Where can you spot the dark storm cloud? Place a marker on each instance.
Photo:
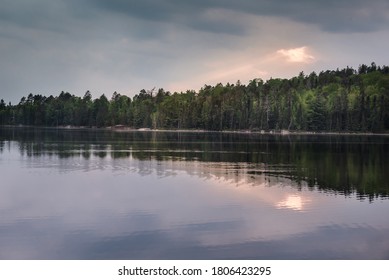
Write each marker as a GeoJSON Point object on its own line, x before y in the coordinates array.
{"type": "Point", "coordinates": [189, 14]}
{"type": "Point", "coordinates": [333, 15]}
{"type": "Point", "coordinates": [70, 16]}
{"type": "Point", "coordinates": [39, 14]}
{"type": "Point", "coordinates": [62, 16]}
{"type": "Point", "coordinates": [329, 15]}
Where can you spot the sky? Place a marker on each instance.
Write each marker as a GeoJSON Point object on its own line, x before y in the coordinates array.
{"type": "Point", "coordinates": [49, 46]}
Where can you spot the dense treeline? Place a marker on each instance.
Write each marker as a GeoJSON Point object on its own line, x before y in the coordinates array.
{"type": "Point", "coordinates": [341, 100]}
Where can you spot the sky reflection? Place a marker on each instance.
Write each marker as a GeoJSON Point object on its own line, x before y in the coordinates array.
{"type": "Point", "coordinates": [107, 207]}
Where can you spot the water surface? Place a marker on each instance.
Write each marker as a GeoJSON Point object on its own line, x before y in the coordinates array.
{"type": "Point", "coordinates": [96, 194]}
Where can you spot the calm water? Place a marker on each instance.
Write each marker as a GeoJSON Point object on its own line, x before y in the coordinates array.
{"type": "Point", "coordinates": [154, 195]}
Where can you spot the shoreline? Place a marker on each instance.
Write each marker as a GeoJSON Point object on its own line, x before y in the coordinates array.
{"type": "Point", "coordinates": [121, 128]}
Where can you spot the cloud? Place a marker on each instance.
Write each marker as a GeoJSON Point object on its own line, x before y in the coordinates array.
{"type": "Point", "coordinates": [332, 15]}
{"type": "Point", "coordinates": [105, 46]}
{"type": "Point", "coordinates": [297, 55]}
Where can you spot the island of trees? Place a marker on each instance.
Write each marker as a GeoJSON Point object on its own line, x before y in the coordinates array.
{"type": "Point", "coordinates": [344, 100]}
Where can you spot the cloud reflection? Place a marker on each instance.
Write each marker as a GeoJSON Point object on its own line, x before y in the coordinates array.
{"type": "Point", "coordinates": [170, 202]}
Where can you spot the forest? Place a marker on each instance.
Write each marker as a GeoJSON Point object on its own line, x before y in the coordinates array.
{"type": "Point", "coordinates": [345, 100]}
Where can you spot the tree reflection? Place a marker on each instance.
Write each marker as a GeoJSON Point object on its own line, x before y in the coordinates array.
{"type": "Point", "coordinates": [340, 164]}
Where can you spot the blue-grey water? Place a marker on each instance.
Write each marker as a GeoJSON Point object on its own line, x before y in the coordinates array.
{"type": "Point", "coordinates": [99, 194]}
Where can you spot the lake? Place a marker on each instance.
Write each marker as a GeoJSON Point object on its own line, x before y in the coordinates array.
{"type": "Point", "coordinates": [100, 194]}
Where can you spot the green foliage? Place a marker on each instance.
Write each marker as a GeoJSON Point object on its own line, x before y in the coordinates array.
{"type": "Point", "coordinates": [341, 100]}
